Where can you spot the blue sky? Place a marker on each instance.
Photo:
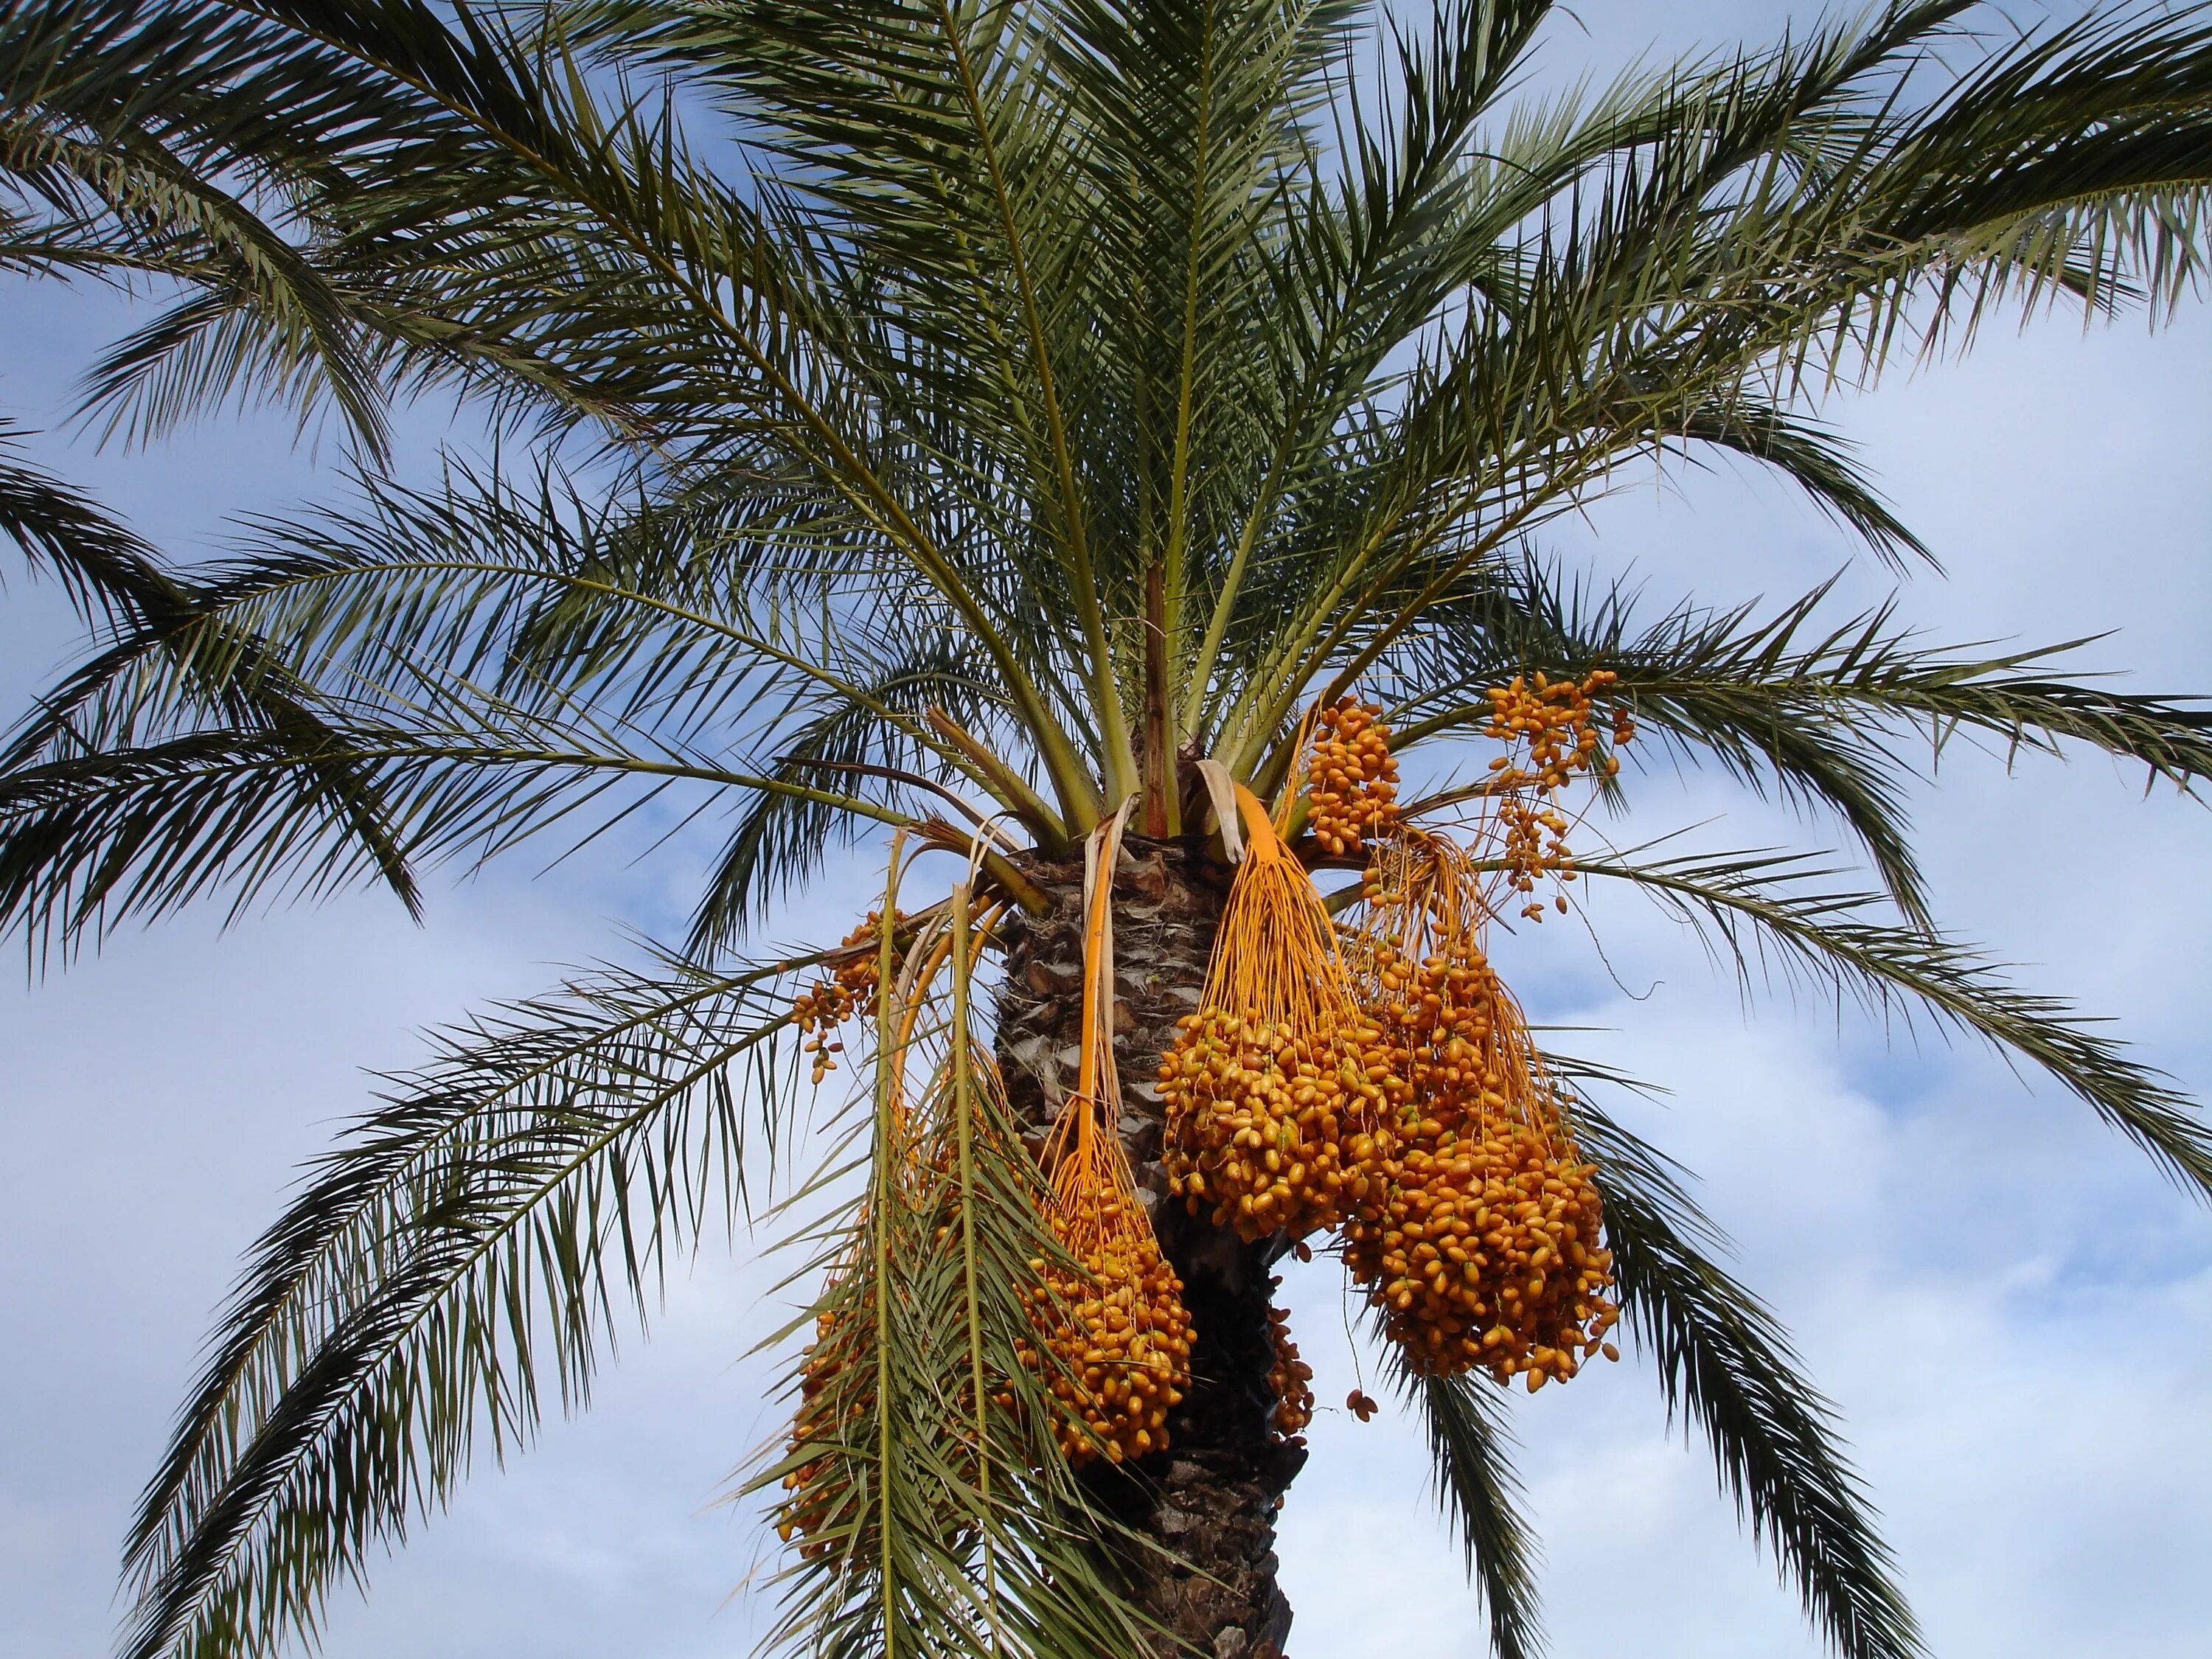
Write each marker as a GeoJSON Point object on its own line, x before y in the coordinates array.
{"type": "Point", "coordinates": [2012, 1310]}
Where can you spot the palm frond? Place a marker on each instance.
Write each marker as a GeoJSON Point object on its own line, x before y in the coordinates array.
{"type": "Point", "coordinates": [1755, 911]}
{"type": "Point", "coordinates": [50, 880]}
{"type": "Point", "coordinates": [1468, 1442]}
{"type": "Point", "coordinates": [939, 1516]}
{"type": "Point", "coordinates": [107, 572]}
{"type": "Point", "coordinates": [1726, 1365]}
{"type": "Point", "coordinates": [1817, 461]}
{"type": "Point", "coordinates": [1827, 710]}
{"type": "Point", "coordinates": [186, 143]}
{"type": "Point", "coordinates": [781, 838]}
{"type": "Point", "coordinates": [1754, 232]}
{"type": "Point", "coordinates": [91, 838]}
{"type": "Point", "coordinates": [457, 1265]}
{"type": "Point", "coordinates": [188, 755]}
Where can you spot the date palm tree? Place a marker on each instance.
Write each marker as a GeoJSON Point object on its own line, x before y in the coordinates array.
{"type": "Point", "coordinates": [961, 421]}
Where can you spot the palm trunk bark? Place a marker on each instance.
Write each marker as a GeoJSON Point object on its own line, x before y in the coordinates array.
{"type": "Point", "coordinates": [1209, 1501]}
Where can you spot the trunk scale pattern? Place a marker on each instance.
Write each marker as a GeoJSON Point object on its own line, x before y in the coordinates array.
{"type": "Point", "coordinates": [1209, 1501]}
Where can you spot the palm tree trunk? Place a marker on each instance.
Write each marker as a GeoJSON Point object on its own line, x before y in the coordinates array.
{"type": "Point", "coordinates": [1209, 1500]}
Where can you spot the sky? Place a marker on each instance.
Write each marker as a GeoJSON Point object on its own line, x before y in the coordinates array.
{"type": "Point", "coordinates": [2011, 1309]}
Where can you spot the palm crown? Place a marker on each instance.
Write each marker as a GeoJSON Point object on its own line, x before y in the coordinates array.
{"type": "Point", "coordinates": [999, 408]}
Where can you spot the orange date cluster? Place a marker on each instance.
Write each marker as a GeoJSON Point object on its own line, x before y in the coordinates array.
{"type": "Point", "coordinates": [1352, 779]}
{"type": "Point", "coordinates": [1479, 1238]}
{"type": "Point", "coordinates": [1550, 728]}
{"type": "Point", "coordinates": [1112, 1336]}
{"type": "Point", "coordinates": [820, 1011]}
{"type": "Point", "coordinates": [1289, 1379]}
{"type": "Point", "coordinates": [1261, 1111]}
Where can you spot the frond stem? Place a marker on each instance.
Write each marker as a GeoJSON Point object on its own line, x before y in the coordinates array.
{"type": "Point", "coordinates": [1116, 757]}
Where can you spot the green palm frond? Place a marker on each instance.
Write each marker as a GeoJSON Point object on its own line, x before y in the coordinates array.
{"type": "Point", "coordinates": [189, 142]}
{"type": "Point", "coordinates": [937, 1513]}
{"type": "Point", "coordinates": [781, 840]}
{"type": "Point", "coordinates": [52, 883]}
{"type": "Point", "coordinates": [457, 1265]}
{"type": "Point", "coordinates": [107, 572]}
{"type": "Point", "coordinates": [1468, 1441]}
{"type": "Point", "coordinates": [1755, 910]}
{"type": "Point", "coordinates": [1739, 245]}
{"type": "Point", "coordinates": [1826, 710]}
{"type": "Point", "coordinates": [1867, 673]}
{"type": "Point", "coordinates": [91, 836]}
{"type": "Point", "coordinates": [1818, 462]}
{"type": "Point", "coordinates": [1726, 1365]}
{"type": "Point", "coordinates": [122, 797]}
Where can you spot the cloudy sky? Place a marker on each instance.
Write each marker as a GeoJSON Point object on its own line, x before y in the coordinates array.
{"type": "Point", "coordinates": [2013, 1311]}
